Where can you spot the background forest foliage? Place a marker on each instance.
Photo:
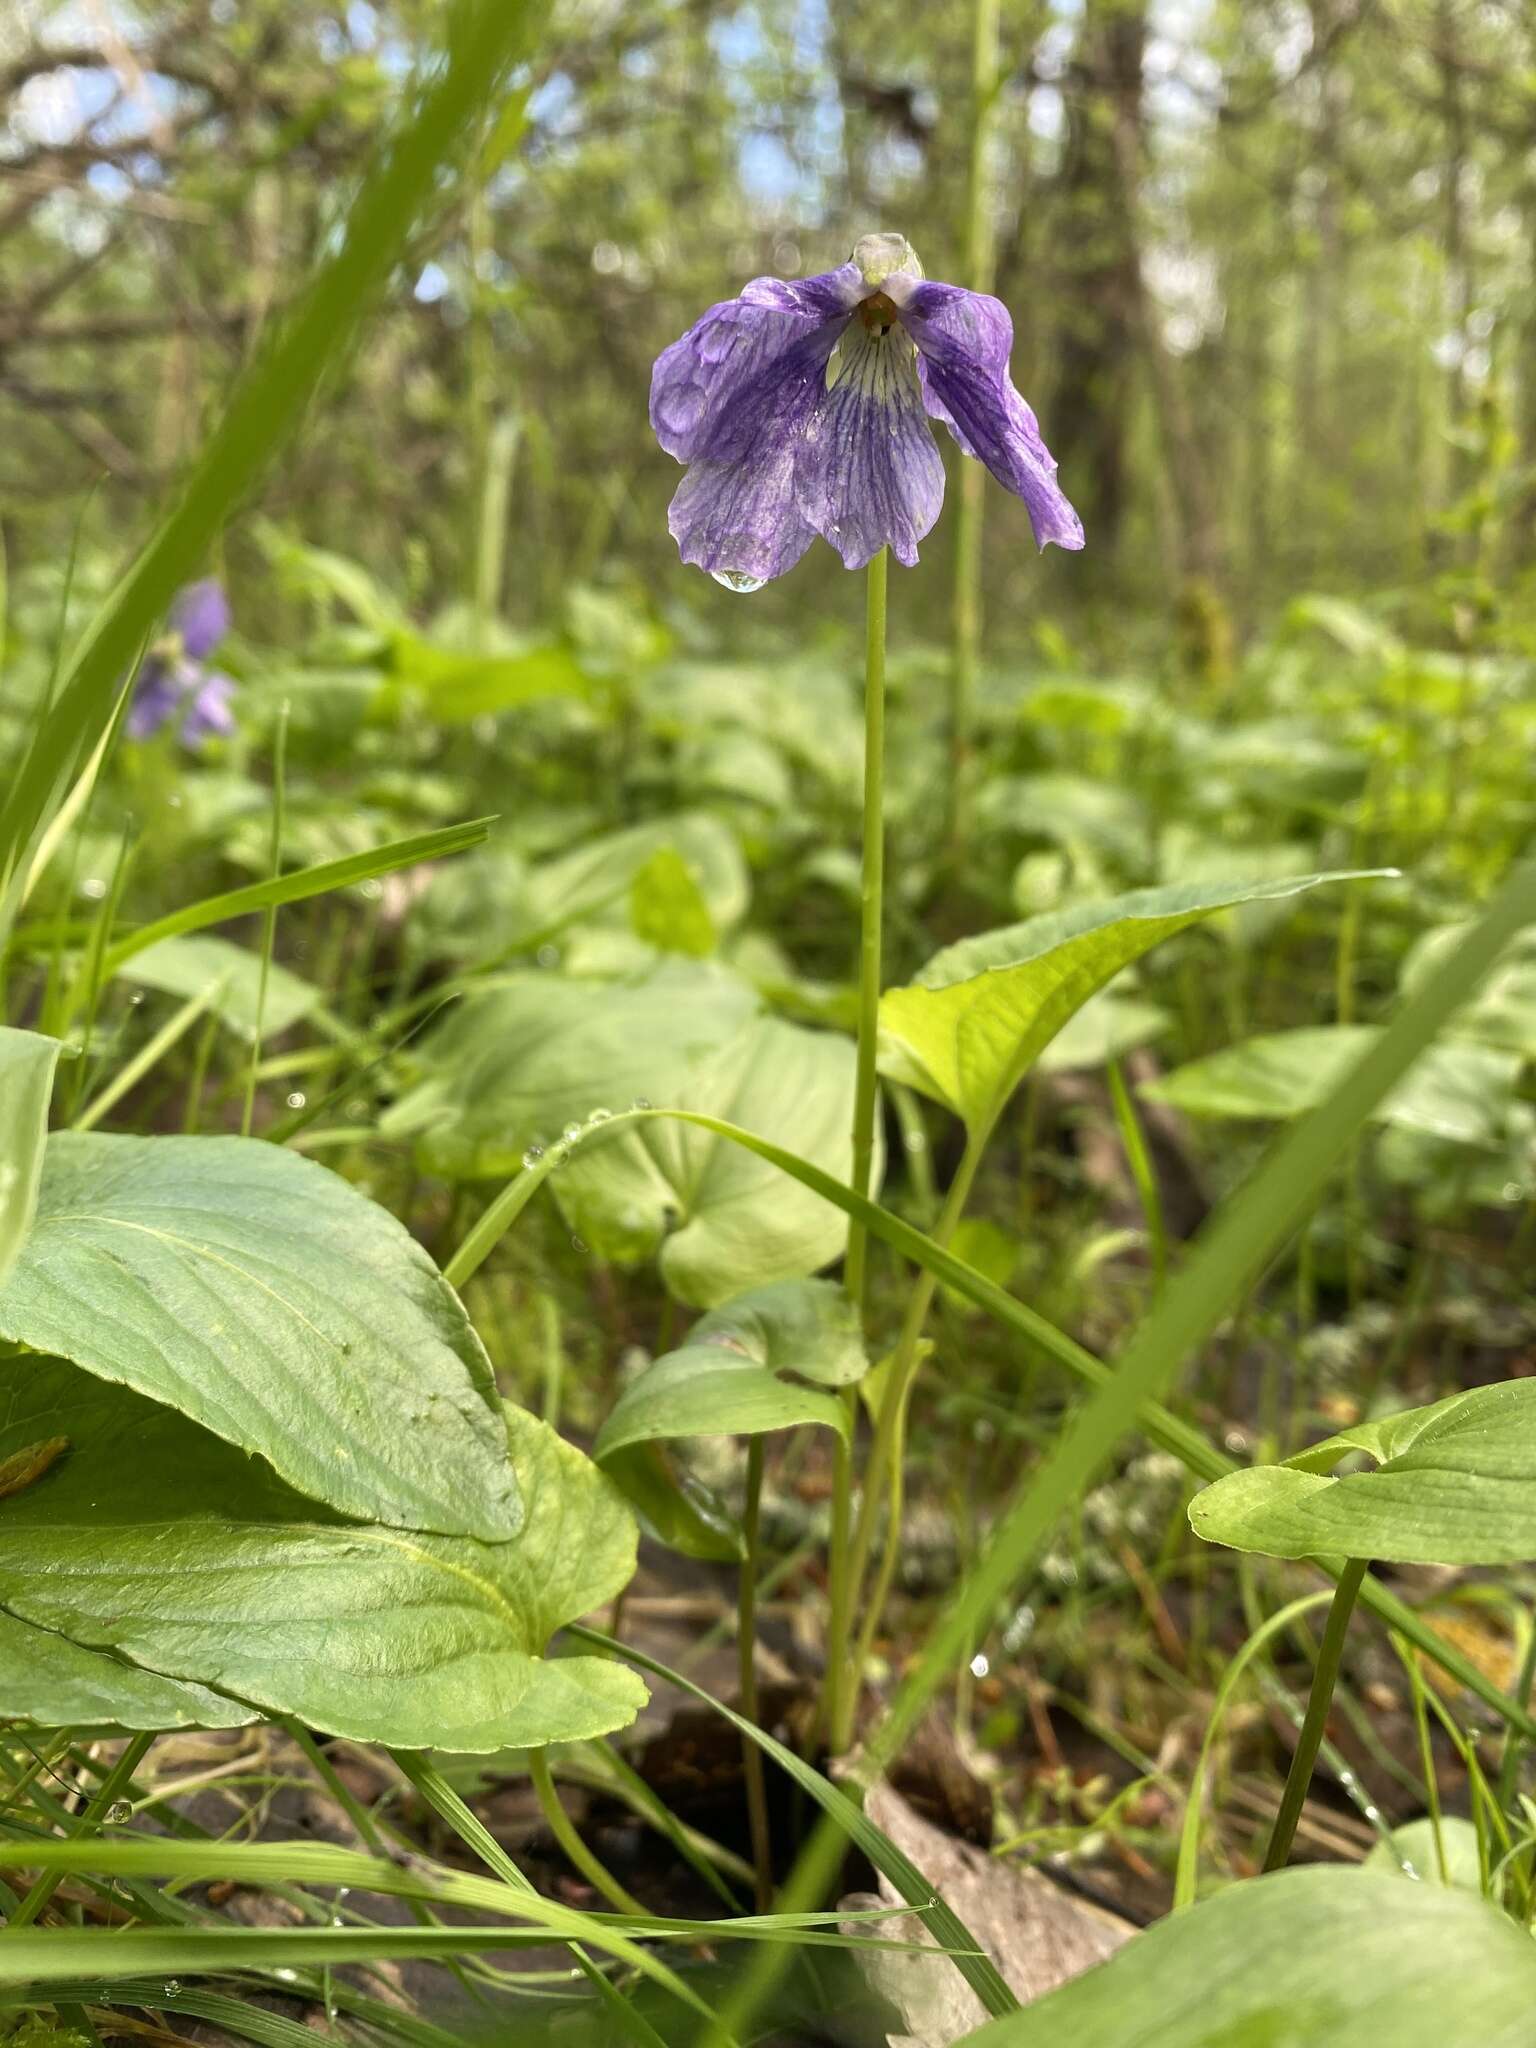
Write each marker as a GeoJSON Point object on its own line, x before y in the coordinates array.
{"type": "Point", "coordinates": [1270, 267]}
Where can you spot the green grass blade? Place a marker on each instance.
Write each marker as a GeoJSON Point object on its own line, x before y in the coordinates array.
{"type": "Point", "coordinates": [943, 1923]}
{"type": "Point", "coordinates": [293, 888]}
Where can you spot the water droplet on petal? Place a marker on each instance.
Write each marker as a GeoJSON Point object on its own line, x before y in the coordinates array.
{"type": "Point", "coordinates": [738, 580]}
{"type": "Point", "coordinates": [641, 1102]}
{"type": "Point", "coordinates": [532, 1156]}
{"type": "Point", "coordinates": [599, 1116]}
{"type": "Point", "coordinates": [571, 1133]}
{"type": "Point", "coordinates": [119, 1811]}
{"type": "Point", "coordinates": [171, 1988]}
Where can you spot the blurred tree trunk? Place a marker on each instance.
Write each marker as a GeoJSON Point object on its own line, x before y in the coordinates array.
{"type": "Point", "coordinates": [1110, 320]}
{"type": "Point", "coordinates": [1101, 267]}
{"type": "Point", "coordinates": [1460, 287]}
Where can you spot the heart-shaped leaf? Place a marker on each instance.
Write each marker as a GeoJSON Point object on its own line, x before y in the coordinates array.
{"type": "Point", "coordinates": [512, 1066]}
{"type": "Point", "coordinates": [719, 1219]}
{"type": "Point", "coordinates": [742, 1370]}
{"type": "Point", "coordinates": [980, 1013]}
{"type": "Point", "coordinates": [1454, 1483]}
{"type": "Point", "coordinates": [1458, 1092]}
{"type": "Point", "coordinates": [155, 1541]}
{"type": "Point", "coordinates": [53, 1683]}
{"type": "Point", "coordinates": [1320, 1957]}
{"type": "Point", "coordinates": [261, 1295]}
{"type": "Point", "coordinates": [27, 1061]}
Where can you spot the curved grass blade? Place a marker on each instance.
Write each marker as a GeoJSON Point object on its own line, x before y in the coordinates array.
{"type": "Point", "coordinates": [943, 1923]}
{"type": "Point", "coordinates": [311, 881]}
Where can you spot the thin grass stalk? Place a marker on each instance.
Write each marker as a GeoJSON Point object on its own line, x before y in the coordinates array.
{"type": "Point", "coordinates": [746, 1665]}
{"type": "Point", "coordinates": [111, 1789]}
{"type": "Point", "coordinates": [1324, 1677]}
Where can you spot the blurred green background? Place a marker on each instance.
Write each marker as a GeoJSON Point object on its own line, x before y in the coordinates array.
{"type": "Point", "coordinates": [1270, 266]}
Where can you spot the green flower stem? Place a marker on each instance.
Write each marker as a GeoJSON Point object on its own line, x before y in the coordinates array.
{"type": "Point", "coordinates": [871, 908]}
{"type": "Point", "coordinates": [888, 1452]}
{"type": "Point", "coordinates": [580, 1856]}
{"type": "Point", "coordinates": [116, 1782]}
{"type": "Point", "coordinates": [746, 1652]}
{"type": "Point", "coordinates": [837, 1704]}
{"type": "Point", "coordinates": [1329, 1656]}
{"type": "Point", "coordinates": [980, 265]}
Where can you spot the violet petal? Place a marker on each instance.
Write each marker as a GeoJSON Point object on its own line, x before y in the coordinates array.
{"type": "Point", "coordinates": [209, 715]}
{"type": "Point", "coordinates": [200, 617]}
{"type": "Point", "coordinates": [867, 472]}
{"type": "Point", "coordinates": [715, 392]}
{"type": "Point", "coordinates": [965, 339]}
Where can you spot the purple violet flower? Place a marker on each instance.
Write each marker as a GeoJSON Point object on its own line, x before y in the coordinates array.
{"type": "Point", "coordinates": [174, 676]}
{"type": "Point", "coordinates": [802, 408]}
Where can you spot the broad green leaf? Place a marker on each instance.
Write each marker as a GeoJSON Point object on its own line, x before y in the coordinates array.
{"type": "Point", "coordinates": [718, 1219]}
{"type": "Point", "coordinates": [511, 1067]}
{"type": "Point", "coordinates": [296, 887]}
{"type": "Point", "coordinates": [743, 1368]}
{"type": "Point", "coordinates": [53, 1683]}
{"type": "Point", "coordinates": [598, 879]}
{"type": "Point", "coordinates": [456, 687]}
{"type": "Point", "coordinates": [261, 1295]}
{"type": "Point", "coordinates": [981, 1012]}
{"type": "Point", "coordinates": [1454, 1483]}
{"type": "Point", "coordinates": [190, 966]}
{"type": "Point", "coordinates": [1320, 1957]}
{"type": "Point", "coordinates": [1076, 811]}
{"type": "Point", "coordinates": [1457, 1092]}
{"type": "Point", "coordinates": [27, 1061]}
{"type": "Point", "coordinates": [667, 908]}
{"type": "Point", "coordinates": [154, 1540]}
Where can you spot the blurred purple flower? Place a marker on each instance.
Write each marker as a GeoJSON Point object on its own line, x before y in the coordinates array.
{"type": "Point", "coordinates": [803, 408]}
{"type": "Point", "coordinates": [174, 676]}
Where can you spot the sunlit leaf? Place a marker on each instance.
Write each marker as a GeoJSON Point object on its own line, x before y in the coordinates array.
{"type": "Point", "coordinates": [1454, 1483]}
{"type": "Point", "coordinates": [667, 907]}
{"type": "Point", "coordinates": [981, 1012]}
